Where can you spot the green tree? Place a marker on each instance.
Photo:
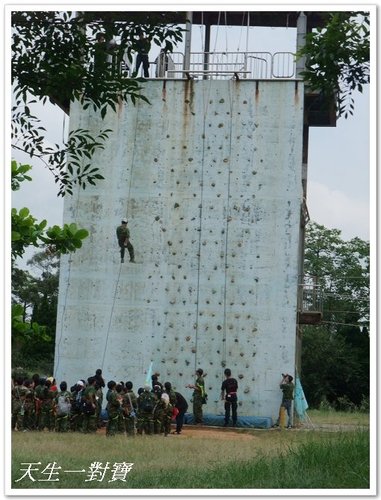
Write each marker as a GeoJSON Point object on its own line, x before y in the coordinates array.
{"type": "Point", "coordinates": [53, 58]}
{"type": "Point", "coordinates": [337, 58]}
{"type": "Point", "coordinates": [34, 308]}
{"type": "Point", "coordinates": [335, 354]}
{"type": "Point", "coordinates": [27, 231]}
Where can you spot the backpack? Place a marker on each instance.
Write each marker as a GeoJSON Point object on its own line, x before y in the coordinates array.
{"type": "Point", "coordinates": [147, 404]}
{"type": "Point", "coordinates": [88, 408]}
{"type": "Point", "coordinates": [63, 406]}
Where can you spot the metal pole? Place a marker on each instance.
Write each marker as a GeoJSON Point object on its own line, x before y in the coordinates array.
{"type": "Point", "coordinates": [301, 30]}
{"type": "Point", "coordinates": [247, 43]}
{"type": "Point", "coordinates": [188, 38]}
{"type": "Point", "coordinates": [207, 47]}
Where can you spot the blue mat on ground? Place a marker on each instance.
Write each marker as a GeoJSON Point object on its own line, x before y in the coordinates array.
{"type": "Point", "coordinates": [219, 420]}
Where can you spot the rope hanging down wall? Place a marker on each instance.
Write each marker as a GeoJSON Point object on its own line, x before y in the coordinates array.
{"type": "Point", "coordinates": [120, 266]}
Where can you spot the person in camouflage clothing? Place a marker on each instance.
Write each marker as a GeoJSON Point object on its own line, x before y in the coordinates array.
{"type": "Point", "coordinates": [171, 393]}
{"type": "Point", "coordinates": [123, 236]}
{"type": "Point", "coordinates": [146, 405]}
{"type": "Point", "coordinates": [38, 389]}
{"type": "Point", "coordinates": [121, 426]}
{"type": "Point", "coordinates": [62, 403]}
{"type": "Point", "coordinates": [76, 406]}
{"type": "Point", "coordinates": [47, 407]}
{"type": "Point", "coordinates": [158, 412]}
{"type": "Point", "coordinates": [130, 406]}
{"type": "Point", "coordinates": [198, 396]}
{"type": "Point", "coordinates": [30, 408]}
{"type": "Point", "coordinates": [114, 403]}
{"type": "Point", "coordinates": [19, 392]}
{"type": "Point", "coordinates": [89, 406]}
{"type": "Point", "coordinates": [167, 414]}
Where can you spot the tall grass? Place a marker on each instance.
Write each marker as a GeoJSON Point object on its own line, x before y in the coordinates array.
{"type": "Point", "coordinates": [261, 460]}
{"type": "Point", "coordinates": [341, 418]}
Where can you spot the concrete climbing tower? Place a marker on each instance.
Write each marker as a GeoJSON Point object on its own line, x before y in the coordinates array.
{"type": "Point", "coordinates": [210, 177]}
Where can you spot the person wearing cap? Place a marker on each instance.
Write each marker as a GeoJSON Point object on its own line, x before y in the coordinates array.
{"type": "Point", "coordinates": [123, 235]}
{"type": "Point", "coordinates": [198, 396]}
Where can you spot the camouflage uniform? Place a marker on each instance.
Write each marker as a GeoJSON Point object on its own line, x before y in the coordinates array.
{"type": "Point", "coordinates": [76, 417]}
{"type": "Point", "coordinates": [158, 416]}
{"type": "Point", "coordinates": [145, 417]}
{"type": "Point", "coordinates": [89, 418]}
{"type": "Point", "coordinates": [37, 404]}
{"type": "Point", "coordinates": [99, 402]}
{"type": "Point", "coordinates": [167, 419]}
{"type": "Point", "coordinates": [47, 409]}
{"type": "Point", "coordinates": [123, 235]}
{"type": "Point", "coordinates": [114, 411]}
{"type": "Point", "coordinates": [19, 393]}
{"type": "Point", "coordinates": [198, 397]}
{"type": "Point", "coordinates": [172, 397]}
{"type": "Point", "coordinates": [62, 422]}
{"type": "Point", "coordinates": [129, 407]}
{"type": "Point", "coordinates": [30, 410]}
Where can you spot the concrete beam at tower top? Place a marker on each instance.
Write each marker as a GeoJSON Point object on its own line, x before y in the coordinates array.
{"type": "Point", "coordinates": [286, 19]}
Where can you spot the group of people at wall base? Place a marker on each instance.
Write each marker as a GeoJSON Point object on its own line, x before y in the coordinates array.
{"type": "Point", "coordinates": [38, 404]}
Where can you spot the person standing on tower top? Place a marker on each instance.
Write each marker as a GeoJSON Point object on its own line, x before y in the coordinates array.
{"type": "Point", "coordinates": [143, 46]}
{"type": "Point", "coordinates": [123, 235]}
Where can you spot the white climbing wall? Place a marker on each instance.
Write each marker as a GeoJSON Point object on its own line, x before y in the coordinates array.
{"type": "Point", "coordinates": [209, 177]}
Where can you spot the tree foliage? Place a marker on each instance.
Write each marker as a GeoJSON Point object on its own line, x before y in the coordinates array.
{"type": "Point", "coordinates": [27, 231]}
{"type": "Point", "coordinates": [53, 57]}
{"type": "Point", "coordinates": [343, 269]}
{"type": "Point", "coordinates": [34, 310]}
{"type": "Point", "coordinates": [337, 58]}
{"type": "Point", "coordinates": [335, 354]}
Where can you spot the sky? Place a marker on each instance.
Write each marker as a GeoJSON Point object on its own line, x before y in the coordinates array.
{"type": "Point", "coordinates": [339, 168]}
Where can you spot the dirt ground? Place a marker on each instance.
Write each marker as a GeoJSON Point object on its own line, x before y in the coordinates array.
{"type": "Point", "coordinates": [244, 434]}
{"type": "Point", "coordinates": [237, 434]}
{"type": "Point", "coordinates": [215, 433]}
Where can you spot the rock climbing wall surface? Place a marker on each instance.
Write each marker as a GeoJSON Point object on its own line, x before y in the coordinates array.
{"type": "Point", "coordinates": [209, 176]}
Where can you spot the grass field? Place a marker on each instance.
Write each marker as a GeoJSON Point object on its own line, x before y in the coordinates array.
{"type": "Point", "coordinates": [206, 459]}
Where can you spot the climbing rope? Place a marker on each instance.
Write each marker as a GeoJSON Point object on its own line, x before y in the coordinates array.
{"type": "Point", "coordinates": [224, 332]}
{"type": "Point", "coordinates": [120, 266]}
{"type": "Point", "coordinates": [110, 319]}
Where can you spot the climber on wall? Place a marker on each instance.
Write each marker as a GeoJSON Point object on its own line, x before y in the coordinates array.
{"type": "Point", "coordinates": [123, 235]}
